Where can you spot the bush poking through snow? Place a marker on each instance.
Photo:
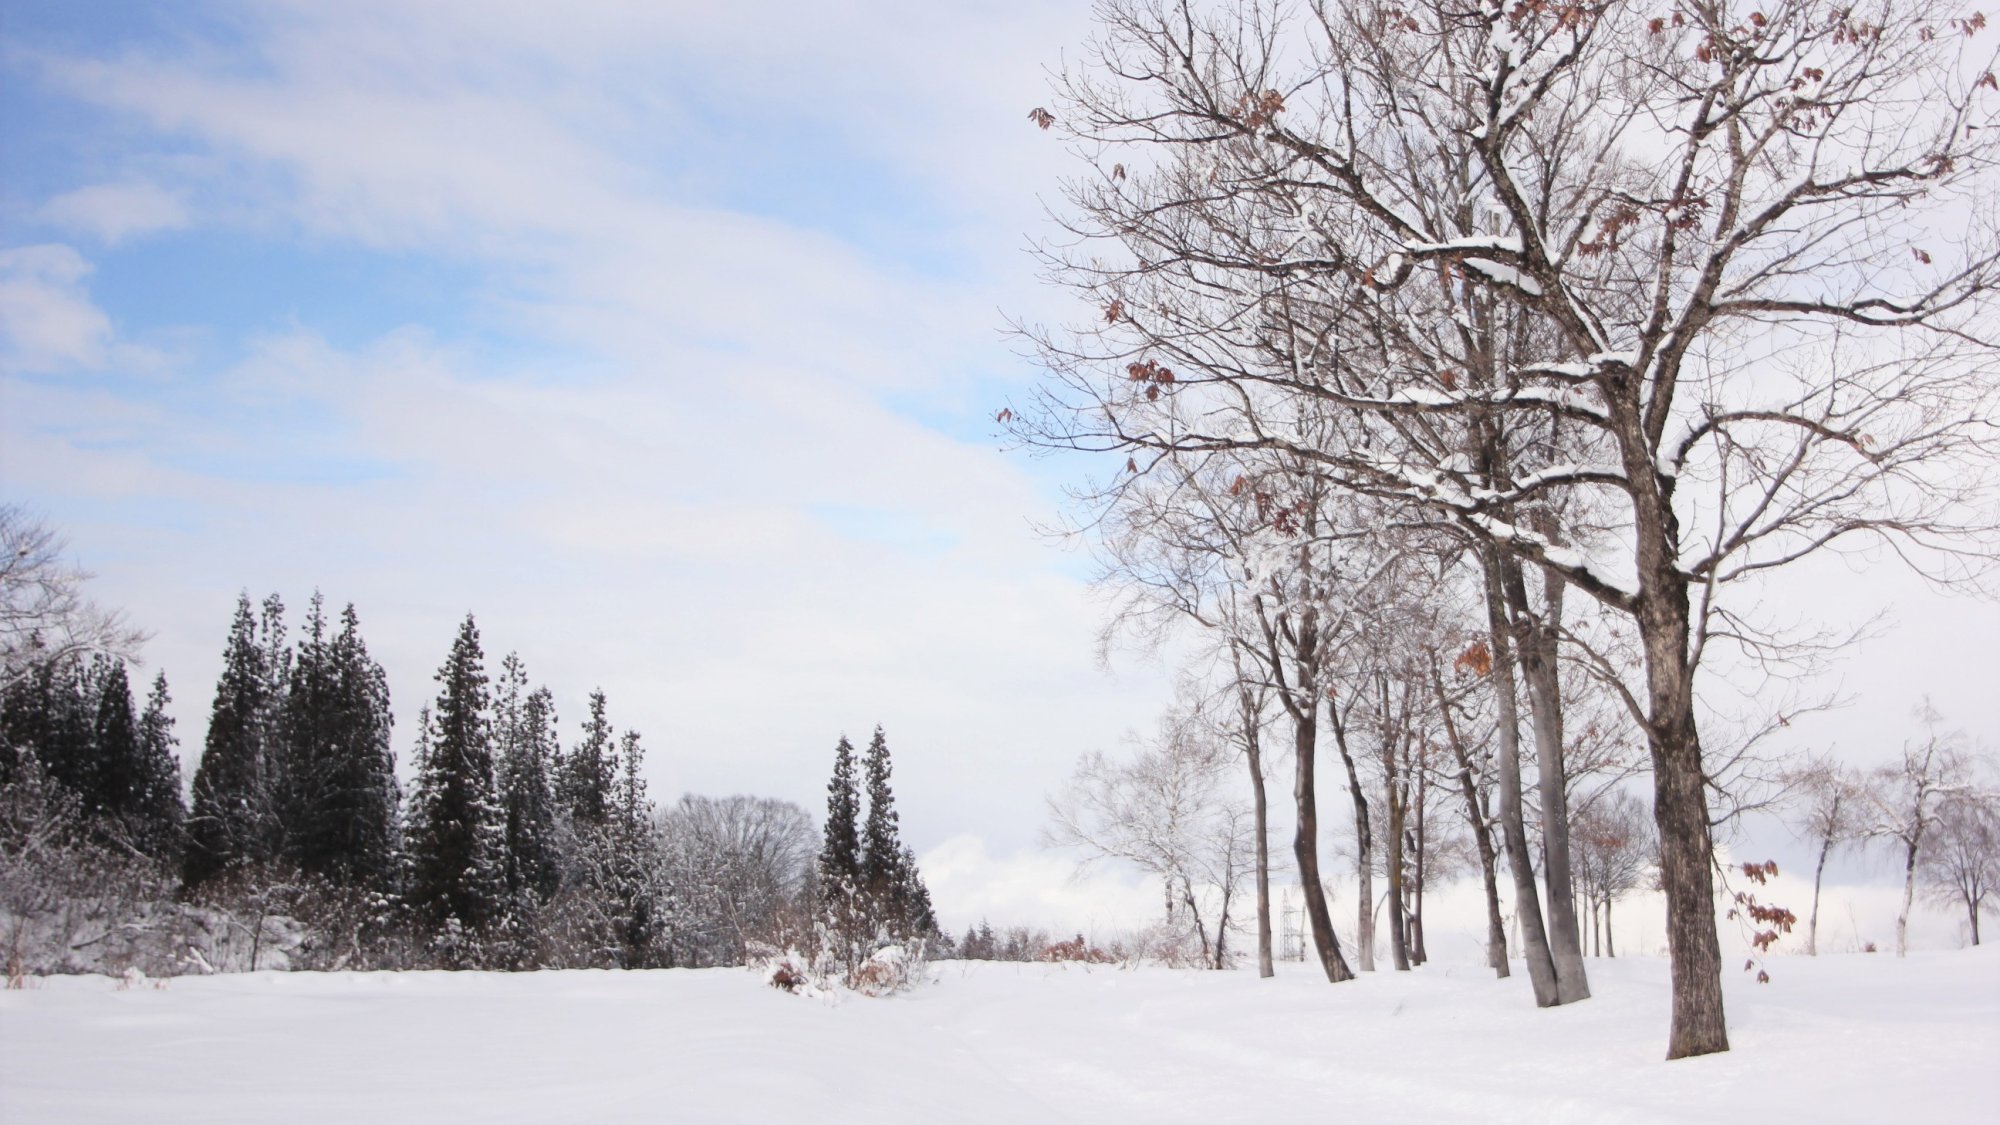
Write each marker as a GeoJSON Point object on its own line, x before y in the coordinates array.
{"type": "Point", "coordinates": [1076, 949]}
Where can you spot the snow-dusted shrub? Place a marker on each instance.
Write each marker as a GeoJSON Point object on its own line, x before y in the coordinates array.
{"type": "Point", "coordinates": [1076, 949]}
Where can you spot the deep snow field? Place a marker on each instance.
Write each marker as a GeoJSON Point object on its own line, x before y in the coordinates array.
{"type": "Point", "coordinates": [1862, 1038]}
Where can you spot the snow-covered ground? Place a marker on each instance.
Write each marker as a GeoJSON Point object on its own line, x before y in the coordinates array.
{"type": "Point", "coordinates": [1863, 1038]}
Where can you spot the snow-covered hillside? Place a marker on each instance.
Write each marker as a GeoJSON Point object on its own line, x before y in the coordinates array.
{"type": "Point", "coordinates": [1845, 1038]}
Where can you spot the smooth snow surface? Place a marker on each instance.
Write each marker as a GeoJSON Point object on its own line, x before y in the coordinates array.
{"type": "Point", "coordinates": [1863, 1038]}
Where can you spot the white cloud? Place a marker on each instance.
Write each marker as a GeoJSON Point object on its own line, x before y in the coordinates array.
{"type": "Point", "coordinates": [114, 212]}
{"type": "Point", "coordinates": [1038, 889]}
{"type": "Point", "coordinates": [47, 319]}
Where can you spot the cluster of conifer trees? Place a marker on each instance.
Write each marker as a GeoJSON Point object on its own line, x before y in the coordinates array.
{"type": "Point", "coordinates": [870, 892]}
{"type": "Point", "coordinates": [507, 851]}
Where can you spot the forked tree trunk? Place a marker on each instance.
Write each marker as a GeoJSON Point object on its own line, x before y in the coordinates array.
{"type": "Point", "coordinates": [1513, 829]}
{"type": "Point", "coordinates": [1539, 672]}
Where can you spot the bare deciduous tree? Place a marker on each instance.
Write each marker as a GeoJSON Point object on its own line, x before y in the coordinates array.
{"type": "Point", "coordinates": [1164, 811]}
{"type": "Point", "coordinates": [1830, 807]}
{"type": "Point", "coordinates": [1904, 798]}
{"type": "Point", "coordinates": [1961, 867]}
{"type": "Point", "coordinates": [1677, 276]}
{"type": "Point", "coordinates": [44, 617]}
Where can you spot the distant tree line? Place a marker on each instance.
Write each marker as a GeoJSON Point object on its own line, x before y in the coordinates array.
{"type": "Point", "coordinates": [299, 846]}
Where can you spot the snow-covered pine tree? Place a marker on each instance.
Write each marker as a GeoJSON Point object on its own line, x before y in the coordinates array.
{"type": "Point", "coordinates": [897, 900]}
{"type": "Point", "coordinates": [842, 915]}
{"type": "Point", "coordinates": [881, 841]}
{"type": "Point", "coordinates": [840, 855]}
{"type": "Point", "coordinates": [51, 712]}
{"type": "Point", "coordinates": [635, 861]}
{"type": "Point", "coordinates": [312, 830]}
{"type": "Point", "coordinates": [457, 838]}
{"type": "Point", "coordinates": [158, 815]}
{"type": "Point", "coordinates": [112, 778]}
{"type": "Point", "coordinates": [590, 770]}
{"type": "Point", "coordinates": [360, 793]}
{"type": "Point", "coordinates": [231, 823]}
{"type": "Point", "coordinates": [524, 737]}
{"type": "Point", "coordinates": [919, 920]}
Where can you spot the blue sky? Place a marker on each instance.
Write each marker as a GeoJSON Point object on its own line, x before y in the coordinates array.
{"type": "Point", "coordinates": [666, 338]}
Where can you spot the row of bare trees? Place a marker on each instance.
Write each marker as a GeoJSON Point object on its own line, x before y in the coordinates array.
{"type": "Point", "coordinates": [1931, 806]}
{"type": "Point", "coordinates": [1517, 335]}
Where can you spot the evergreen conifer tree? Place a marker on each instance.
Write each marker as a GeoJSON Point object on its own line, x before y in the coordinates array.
{"type": "Point", "coordinates": [635, 860]}
{"type": "Point", "coordinates": [53, 714]}
{"type": "Point", "coordinates": [231, 823]}
{"type": "Point", "coordinates": [524, 736]}
{"type": "Point", "coordinates": [589, 772]}
{"type": "Point", "coordinates": [842, 915]}
{"type": "Point", "coordinates": [355, 836]}
{"type": "Point", "coordinates": [840, 855]}
{"type": "Point", "coordinates": [312, 829]}
{"type": "Point", "coordinates": [457, 838]}
{"type": "Point", "coordinates": [113, 781]}
{"type": "Point", "coordinates": [158, 814]}
{"type": "Point", "coordinates": [881, 843]}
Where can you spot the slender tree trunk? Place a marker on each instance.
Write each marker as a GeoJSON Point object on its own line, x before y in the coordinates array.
{"type": "Point", "coordinates": [1610, 950]}
{"type": "Point", "coordinates": [1253, 749]}
{"type": "Point", "coordinates": [1305, 843]}
{"type": "Point", "coordinates": [1513, 829]}
{"type": "Point", "coordinates": [1364, 845]}
{"type": "Point", "coordinates": [1812, 920]}
{"type": "Point", "coordinates": [1399, 938]}
{"type": "Point", "coordinates": [1909, 893]}
{"type": "Point", "coordinates": [1972, 915]}
{"type": "Point", "coordinates": [1418, 953]}
{"type": "Point", "coordinates": [1482, 838]}
{"type": "Point", "coordinates": [1222, 925]}
{"type": "Point", "coordinates": [1539, 671]}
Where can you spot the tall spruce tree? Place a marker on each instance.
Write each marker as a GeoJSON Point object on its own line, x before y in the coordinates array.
{"type": "Point", "coordinates": [843, 917]}
{"type": "Point", "coordinates": [525, 738]}
{"type": "Point", "coordinates": [113, 779]}
{"type": "Point", "coordinates": [840, 855]}
{"type": "Point", "coordinates": [590, 771]}
{"type": "Point", "coordinates": [353, 831]}
{"type": "Point", "coordinates": [457, 837]}
{"type": "Point", "coordinates": [158, 814]}
{"type": "Point", "coordinates": [308, 732]}
{"type": "Point", "coordinates": [635, 860]}
{"type": "Point", "coordinates": [881, 840]}
{"type": "Point", "coordinates": [232, 822]}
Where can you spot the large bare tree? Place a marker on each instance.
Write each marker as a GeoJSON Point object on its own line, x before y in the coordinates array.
{"type": "Point", "coordinates": [1644, 300]}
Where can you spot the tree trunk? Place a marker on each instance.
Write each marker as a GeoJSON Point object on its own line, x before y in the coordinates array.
{"type": "Point", "coordinates": [1610, 950]}
{"type": "Point", "coordinates": [1909, 893]}
{"type": "Point", "coordinates": [1680, 810]}
{"type": "Point", "coordinates": [1812, 920]}
{"type": "Point", "coordinates": [1482, 839]}
{"type": "Point", "coordinates": [1305, 843]}
{"type": "Point", "coordinates": [1539, 672]}
{"type": "Point", "coordinates": [1399, 938]}
{"type": "Point", "coordinates": [1513, 830]}
{"type": "Point", "coordinates": [1253, 749]}
{"type": "Point", "coordinates": [1364, 846]}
